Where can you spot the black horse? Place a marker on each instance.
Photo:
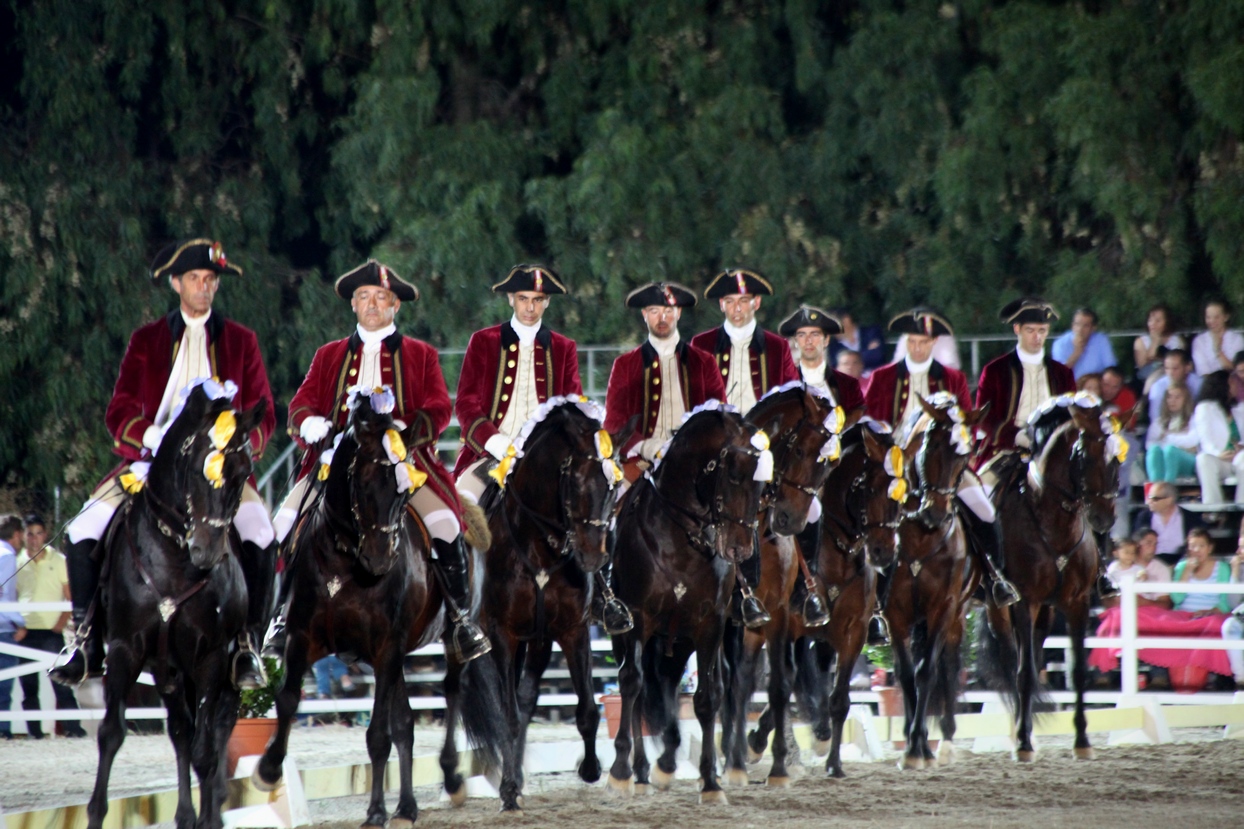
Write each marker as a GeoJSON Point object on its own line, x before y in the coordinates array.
{"type": "Point", "coordinates": [680, 535]}
{"type": "Point", "coordinates": [549, 527]}
{"type": "Point", "coordinates": [362, 587]}
{"type": "Point", "coordinates": [175, 598]}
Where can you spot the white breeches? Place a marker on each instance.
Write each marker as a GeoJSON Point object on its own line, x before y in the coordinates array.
{"type": "Point", "coordinates": [972, 492]}
{"type": "Point", "coordinates": [470, 487]}
{"type": "Point", "coordinates": [436, 515]}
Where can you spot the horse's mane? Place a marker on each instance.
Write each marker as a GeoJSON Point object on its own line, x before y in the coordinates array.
{"type": "Point", "coordinates": [855, 435]}
{"type": "Point", "coordinates": [796, 385]}
{"type": "Point", "coordinates": [1053, 413]}
{"type": "Point", "coordinates": [564, 406]}
{"type": "Point", "coordinates": [710, 405]}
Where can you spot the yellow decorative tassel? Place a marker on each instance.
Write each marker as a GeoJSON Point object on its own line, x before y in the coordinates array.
{"type": "Point", "coordinates": [131, 483]}
{"type": "Point", "coordinates": [604, 444]}
{"type": "Point", "coordinates": [395, 445]}
{"type": "Point", "coordinates": [898, 490]}
{"type": "Point", "coordinates": [224, 428]}
{"type": "Point", "coordinates": [214, 468]}
{"type": "Point", "coordinates": [322, 475]}
{"type": "Point", "coordinates": [503, 468]}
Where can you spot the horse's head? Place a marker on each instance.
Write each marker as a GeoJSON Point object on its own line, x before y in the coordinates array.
{"type": "Point", "coordinates": [804, 427]}
{"type": "Point", "coordinates": [715, 469]}
{"type": "Point", "coordinates": [941, 454]}
{"type": "Point", "coordinates": [865, 493]}
{"type": "Point", "coordinates": [1095, 459]}
{"type": "Point", "coordinates": [201, 467]}
{"type": "Point", "coordinates": [372, 462]}
{"type": "Point", "coordinates": [566, 444]}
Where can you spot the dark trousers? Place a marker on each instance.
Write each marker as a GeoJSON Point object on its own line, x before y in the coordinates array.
{"type": "Point", "coordinates": [52, 642]}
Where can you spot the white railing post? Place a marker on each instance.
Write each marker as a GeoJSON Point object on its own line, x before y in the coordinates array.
{"type": "Point", "coordinates": [1128, 660]}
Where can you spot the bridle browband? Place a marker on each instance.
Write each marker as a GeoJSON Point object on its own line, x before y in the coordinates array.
{"type": "Point", "coordinates": [566, 520]}
{"type": "Point", "coordinates": [1071, 501]}
{"type": "Point", "coordinates": [342, 528]}
{"type": "Point", "coordinates": [187, 520]}
{"type": "Point", "coordinates": [853, 534]}
{"type": "Point", "coordinates": [784, 442]}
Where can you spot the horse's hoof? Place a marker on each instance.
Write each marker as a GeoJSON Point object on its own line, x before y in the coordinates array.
{"type": "Point", "coordinates": [820, 748]}
{"type": "Point", "coordinates": [912, 764]}
{"type": "Point", "coordinates": [778, 782]}
{"type": "Point", "coordinates": [717, 796]}
{"type": "Point", "coordinates": [626, 786]}
{"type": "Point", "coordinates": [835, 774]}
{"type": "Point", "coordinates": [1025, 756]}
{"type": "Point", "coordinates": [401, 823]}
{"type": "Point", "coordinates": [753, 756]}
{"type": "Point", "coordinates": [514, 812]}
{"type": "Point", "coordinates": [642, 789]}
{"type": "Point", "coordinates": [458, 799]}
{"type": "Point", "coordinates": [260, 784]}
{"type": "Point", "coordinates": [1085, 753]}
{"type": "Point", "coordinates": [945, 753]}
{"type": "Point", "coordinates": [662, 779]}
{"type": "Point", "coordinates": [735, 777]}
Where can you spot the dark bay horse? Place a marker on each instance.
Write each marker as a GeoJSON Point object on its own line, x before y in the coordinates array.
{"type": "Point", "coordinates": [549, 527]}
{"type": "Point", "coordinates": [175, 598]}
{"type": "Point", "coordinates": [856, 538]}
{"type": "Point", "coordinates": [681, 534]}
{"type": "Point", "coordinates": [934, 578]}
{"type": "Point", "coordinates": [362, 587]}
{"type": "Point", "coordinates": [1050, 509]}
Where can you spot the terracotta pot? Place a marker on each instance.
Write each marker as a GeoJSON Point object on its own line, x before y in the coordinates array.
{"type": "Point", "coordinates": [613, 712]}
{"type": "Point", "coordinates": [890, 701]}
{"type": "Point", "coordinates": [1188, 679]}
{"type": "Point", "coordinates": [250, 736]}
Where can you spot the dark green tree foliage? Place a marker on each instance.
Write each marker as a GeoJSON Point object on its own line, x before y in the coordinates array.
{"type": "Point", "coordinates": [873, 154]}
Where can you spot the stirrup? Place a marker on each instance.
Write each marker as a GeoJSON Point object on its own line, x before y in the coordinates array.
{"type": "Point", "coordinates": [615, 616]}
{"type": "Point", "coordinates": [1004, 593]}
{"type": "Point", "coordinates": [878, 631]}
{"type": "Point", "coordinates": [814, 612]}
{"type": "Point", "coordinates": [753, 612]}
{"type": "Point", "coordinates": [247, 669]}
{"type": "Point", "coordinates": [77, 668]}
{"type": "Point", "coordinates": [466, 641]}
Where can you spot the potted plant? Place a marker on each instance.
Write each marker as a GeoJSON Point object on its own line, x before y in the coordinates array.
{"type": "Point", "coordinates": [890, 698]}
{"type": "Point", "coordinates": [254, 726]}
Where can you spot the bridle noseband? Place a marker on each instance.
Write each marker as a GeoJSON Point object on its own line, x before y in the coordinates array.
{"type": "Point", "coordinates": [188, 520]}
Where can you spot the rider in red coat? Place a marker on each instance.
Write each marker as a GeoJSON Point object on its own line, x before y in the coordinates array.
{"type": "Point", "coordinates": [889, 396]}
{"type": "Point", "coordinates": [162, 359]}
{"type": "Point", "coordinates": [738, 340]}
{"type": "Point", "coordinates": [507, 372]}
{"type": "Point", "coordinates": [810, 327]}
{"type": "Point", "coordinates": [377, 355]}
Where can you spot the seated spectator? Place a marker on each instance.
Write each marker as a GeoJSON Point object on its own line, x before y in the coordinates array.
{"type": "Point", "coordinates": [849, 362]}
{"type": "Point", "coordinates": [329, 672]}
{"type": "Point", "coordinates": [1199, 567]}
{"type": "Point", "coordinates": [945, 350]}
{"type": "Point", "coordinates": [1233, 627]}
{"type": "Point", "coordinates": [1149, 349]}
{"type": "Point", "coordinates": [1115, 394]}
{"type": "Point", "coordinates": [867, 341]}
{"type": "Point", "coordinates": [1125, 562]}
{"type": "Point", "coordinates": [1176, 371]}
{"type": "Point", "coordinates": [1218, 438]}
{"type": "Point", "coordinates": [1090, 383]}
{"type": "Point", "coordinates": [1237, 378]}
{"type": "Point", "coordinates": [1083, 349]}
{"type": "Point", "coordinates": [1170, 443]}
{"type": "Point", "coordinates": [1163, 515]}
{"type": "Point", "coordinates": [1155, 568]}
{"type": "Point", "coordinates": [1215, 348]}
{"type": "Point", "coordinates": [12, 623]}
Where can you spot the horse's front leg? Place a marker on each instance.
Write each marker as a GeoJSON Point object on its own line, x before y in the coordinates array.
{"type": "Point", "coordinates": [123, 669]}
{"type": "Point", "coordinates": [503, 655]}
{"type": "Point", "coordinates": [214, 718]}
{"type": "Point", "coordinates": [626, 652]}
{"type": "Point", "coordinates": [707, 700]}
{"type": "Point", "coordinates": [578, 652]}
{"type": "Point", "coordinates": [530, 669]}
{"type": "Point", "coordinates": [1077, 624]}
{"type": "Point", "coordinates": [268, 771]}
{"type": "Point", "coordinates": [402, 733]}
{"type": "Point", "coordinates": [779, 699]}
{"type": "Point", "coordinates": [1022, 619]}
{"type": "Point", "coordinates": [379, 746]}
{"type": "Point", "coordinates": [734, 706]}
{"type": "Point", "coordinates": [181, 734]}
{"type": "Point", "coordinates": [849, 648]}
{"type": "Point", "coordinates": [454, 784]}
{"type": "Point", "coordinates": [918, 754]}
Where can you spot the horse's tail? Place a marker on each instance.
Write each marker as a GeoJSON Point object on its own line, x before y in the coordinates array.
{"type": "Point", "coordinates": [810, 679]}
{"type": "Point", "coordinates": [475, 526]}
{"type": "Point", "coordinates": [660, 686]}
{"type": "Point", "coordinates": [483, 715]}
{"type": "Point", "coordinates": [997, 657]}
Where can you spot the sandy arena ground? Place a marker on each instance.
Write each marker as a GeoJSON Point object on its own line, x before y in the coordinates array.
{"type": "Point", "coordinates": [1193, 783]}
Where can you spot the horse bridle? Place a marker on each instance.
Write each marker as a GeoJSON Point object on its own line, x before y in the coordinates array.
{"type": "Point", "coordinates": [717, 516]}
{"type": "Point", "coordinates": [925, 488]}
{"type": "Point", "coordinates": [189, 522]}
{"type": "Point", "coordinates": [1072, 501]}
{"type": "Point", "coordinates": [785, 440]}
{"type": "Point", "coordinates": [389, 530]}
{"type": "Point", "coordinates": [566, 513]}
{"type": "Point", "coordinates": [861, 526]}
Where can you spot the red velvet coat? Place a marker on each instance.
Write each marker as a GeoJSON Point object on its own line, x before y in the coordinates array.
{"type": "Point", "coordinates": [413, 368]}
{"type": "Point", "coordinates": [233, 351]}
{"type": "Point", "coordinates": [771, 363]}
{"type": "Point", "coordinates": [635, 387]}
{"type": "Point", "coordinates": [845, 388]}
{"type": "Point", "coordinates": [889, 386]}
{"type": "Point", "coordinates": [1000, 384]}
{"type": "Point", "coordinates": [487, 378]}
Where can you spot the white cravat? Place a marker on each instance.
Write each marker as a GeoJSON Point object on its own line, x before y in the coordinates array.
{"type": "Point", "coordinates": [917, 383]}
{"type": "Point", "coordinates": [524, 399]}
{"type": "Point", "coordinates": [369, 363]}
{"type": "Point", "coordinates": [815, 376]}
{"type": "Point", "coordinates": [739, 391]}
{"type": "Point", "coordinates": [1035, 391]}
{"type": "Point", "coordinates": [672, 409]}
{"type": "Point", "coordinates": [192, 362]}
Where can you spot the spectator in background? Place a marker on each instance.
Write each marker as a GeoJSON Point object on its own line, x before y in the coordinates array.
{"type": "Point", "coordinates": [1176, 370]}
{"type": "Point", "coordinates": [1155, 568]}
{"type": "Point", "coordinates": [1090, 383]}
{"type": "Point", "coordinates": [1119, 399]}
{"type": "Point", "coordinates": [867, 341]}
{"type": "Point", "coordinates": [1233, 627]}
{"type": "Point", "coordinates": [1218, 436]}
{"type": "Point", "coordinates": [1083, 349]}
{"type": "Point", "coordinates": [1126, 562]}
{"type": "Point", "coordinates": [1237, 377]}
{"type": "Point", "coordinates": [1165, 519]}
{"type": "Point", "coordinates": [1149, 349]}
{"type": "Point", "coordinates": [945, 350]}
{"type": "Point", "coordinates": [1171, 444]}
{"type": "Point", "coordinates": [849, 362]}
{"type": "Point", "coordinates": [1214, 348]}
{"type": "Point", "coordinates": [42, 577]}
{"type": "Point", "coordinates": [12, 623]}
{"type": "Point", "coordinates": [1200, 567]}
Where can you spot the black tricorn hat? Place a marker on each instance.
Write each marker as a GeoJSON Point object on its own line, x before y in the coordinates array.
{"type": "Point", "coordinates": [809, 316]}
{"type": "Point", "coordinates": [191, 255]}
{"type": "Point", "coordinates": [738, 281]}
{"type": "Point", "coordinates": [669, 294]}
{"type": "Point", "coordinates": [1028, 309]}
{"type": "Point", "coordinates": [372, 272]}
{"type": "Point", "coordinates": [921, 320]}
{"type": "Point", "coordinates": [536, 278]}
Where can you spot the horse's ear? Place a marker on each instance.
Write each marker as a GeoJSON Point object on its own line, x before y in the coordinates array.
{"type": "Point", "coordinates": [252, 417]}
{"type": "Point", "coordinates": [853, 417]}
{"type": "Point", "coordinates": [1082, 419]}
{"type": "Point", "coordinates": [974, 416]}
{"type": "Point", "coordinates": [623, 435]}
{"type": "Point", "coordinates": [931, 411]}
{"type": "Point", "coordinates": [876, 452]}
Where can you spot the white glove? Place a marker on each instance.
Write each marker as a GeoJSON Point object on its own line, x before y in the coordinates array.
{"type": "Point", "coordinates": [648, 448]}
{"type": "Point", "coordinates": [314, 429]}
{"type": "Point", "coordinates": [497, 445]}
{"type": "Point", "coordinates": [152, 437]}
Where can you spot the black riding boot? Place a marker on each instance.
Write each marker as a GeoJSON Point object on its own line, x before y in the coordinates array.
{"type": "Point", "coordinates": [615, 617]}
{"type": "Point", "coordinates": [258, 566]}
{"type": "Point", "coordinates": [878, 627]}
{"type": "Point", "coordinates": [1106, 589]}
{"type": "Point", "coordinates": [805, 599]}
{"type": "Point", "coordinates": [986, 537]}
{"type": "Point", "coordinates": [465, 641]}
{"type": "Point", "coordinates": [751, 609]}
{"type": "Point", "coordinates": [86, 659]}
{"type": "Point", "coordinates": [274, 637]}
